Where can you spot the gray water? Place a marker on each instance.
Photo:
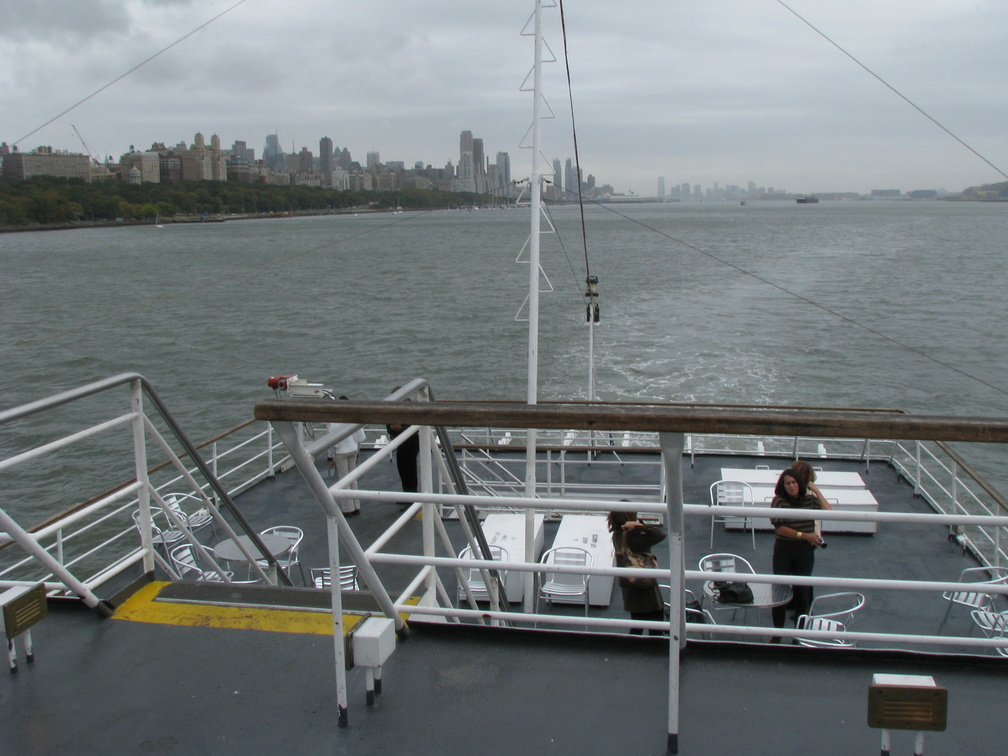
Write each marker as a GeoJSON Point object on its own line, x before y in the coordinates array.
{"type": "Point", "coordinates": [362, 303]}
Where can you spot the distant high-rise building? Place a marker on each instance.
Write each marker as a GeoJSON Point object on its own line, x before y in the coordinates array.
{"type": "Point", "coordinates": [479, 166]}
{"type": "Point", "coordinates": [202, 163]}
{"type": "Point", "coordinates": [661, 187]}
{"type": "Point", "coordinates": [373, 159]}
{"type": "Point", "coordinates": [241, 150]}
{"type": "Point", "coordinates": [272, 154]}
{"type": "Point", "coordinates": [305, 161]}
{"type": "Point", "coordinates": [44, 161]}
{"type": "Point", "coordinates": [504, 174]}
{"type": "Point", "coordinates": [465, 179]}
{"type": "Point", "coordinates": [326, 166]}
{"type": "Point", "coordinates": [685, 190]}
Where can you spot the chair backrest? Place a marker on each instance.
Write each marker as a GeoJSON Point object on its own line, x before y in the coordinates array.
{"type": "Point", "coordinates": [475, 577]}
{"type": "Point", "coordinates": [992, 574]}
{"type": "Point", "coordinates": [725, 563]}
{"type": "Point", "coordinates": [840, 607]}
{"type": "Point", "coordinates": [976, 578]}
{"type": "Point", "coordinates": [730, 493]}
{"type": "Point", "coordinates": [185, 561]}
{"type": "Point", "coordinates": [293, 534]}
{"type": "Point", "coordinates": [567, 556]}
{"type": "Point", "coordinates": [497, 553]}
{"type": "Point", "coordinates": [827, 624]}
{"type": "Point", "coordinates": [162, 530]}
{"type": "Point", "coordinates": [322, 577]}
{"type": "Point", "coordinates": [701, 616]}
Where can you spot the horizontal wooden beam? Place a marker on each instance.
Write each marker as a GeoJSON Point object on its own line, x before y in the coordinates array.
{"type": "Point", "coordinates": [606, 416]}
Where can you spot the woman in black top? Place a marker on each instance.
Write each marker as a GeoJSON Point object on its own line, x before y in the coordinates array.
{"type": "Point", "coordinates": [633, 541]}
{"type": "Point", "coordinates": [795, 541]}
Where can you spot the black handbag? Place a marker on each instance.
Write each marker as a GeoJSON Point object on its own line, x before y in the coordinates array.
{"type": "Point", "coordinates": [733, 593]}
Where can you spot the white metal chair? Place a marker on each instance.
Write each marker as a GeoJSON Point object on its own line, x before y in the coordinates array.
{"type": "Point", "coordinates": [735, 493]}
{"type": "Point", "coordinates": [692, 607]}
{"type": "Point", "coordinates": [474, 575]}
{"type": "Point", "coordinates": [183, 557]}
{"type": "Point", "coordinates": [322, 577]}
{"type": "Point", "coordinates": [993, 625]}
{"type": "Point", "coordinates": [162, 532]}
{"type": "Point", "coordinates": [831, 612]}
{"type": "Point", "coordinates": [289, 557]}
{"type": "Point", "coordinates": [723, 562]}
{"type": "Point", "coordinates": [974, 596]}
{"type": "Point", "coordinates": [563, 586]}
{"type": "Point", "coordinates": [199, 515]}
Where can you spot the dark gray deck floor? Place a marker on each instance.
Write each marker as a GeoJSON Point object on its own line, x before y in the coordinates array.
{"type": "Point", "coordinates": [114, 687]}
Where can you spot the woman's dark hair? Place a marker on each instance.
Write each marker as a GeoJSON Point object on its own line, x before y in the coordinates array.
{"type": "Point", "coordinates": [617, 519]}
{"type": "Point", "coordinates": [782, 492]}
{"type": "Point", "coordinates": [806, 473]}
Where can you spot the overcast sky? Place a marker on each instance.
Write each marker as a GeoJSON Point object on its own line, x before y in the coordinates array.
{"type": "Point", "coordinates": [704, 91]}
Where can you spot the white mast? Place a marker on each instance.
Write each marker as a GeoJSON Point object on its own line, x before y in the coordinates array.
{"type": "Point", "coordinates": [533, 300]}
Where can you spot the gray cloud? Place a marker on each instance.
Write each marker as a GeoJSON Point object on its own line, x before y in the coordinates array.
{"type": "Point", "coordinates": [730, 91]}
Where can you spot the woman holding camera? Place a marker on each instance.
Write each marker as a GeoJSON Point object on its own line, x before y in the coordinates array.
{"type": "Point", "coordinates": [795, 541]}
{"type": "Point", "coordinates": [633, 541]}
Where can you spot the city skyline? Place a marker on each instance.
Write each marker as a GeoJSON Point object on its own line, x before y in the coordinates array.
{"type": "Point", "coordinates": [690, 92]}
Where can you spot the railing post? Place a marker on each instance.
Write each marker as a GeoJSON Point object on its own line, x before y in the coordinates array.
{"type": "Point", "coordinates": [426, 485]}
{"type": "Point", "coordinates": [917, 468]}
{"type": "Point", "coordinates": [269, 449]}
{"type": "Point", "coordinates": [339, 638]}
{"type": "Point", "coordinates": [672, 452]}
{"type": "Point", "coordinates": [140, 470]}
{"type": "Point", "coordinates": [955, 495]}
{"type": "Point", "coordinates": [549, 472]}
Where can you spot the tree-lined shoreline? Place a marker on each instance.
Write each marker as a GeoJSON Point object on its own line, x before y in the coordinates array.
{"type": "Point", "coordinates": [45, 203]}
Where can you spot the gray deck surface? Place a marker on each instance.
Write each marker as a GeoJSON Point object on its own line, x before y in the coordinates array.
{"type": "Point", "coordinates": [109, 686]}
{"type": "Point", "coordinates": [117, 687]}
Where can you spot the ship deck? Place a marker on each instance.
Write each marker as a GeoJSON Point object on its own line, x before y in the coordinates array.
{"type": "Point", "coordinates": [191, 685]}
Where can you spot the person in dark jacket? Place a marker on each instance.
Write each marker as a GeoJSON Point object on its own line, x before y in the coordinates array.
{"type": "Point", "coordinates": [633, 541]}
{"type": "Point", "coordinates": [795, 540]}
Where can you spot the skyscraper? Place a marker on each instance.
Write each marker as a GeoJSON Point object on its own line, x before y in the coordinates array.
{"type": "Point", "coordinates": [504, 174]}
{"type": "Point", "coordinates": [479, 166]}
{"type": "Point", "coordinates": [272, 153]}
{"type": "Point", "coordinates": [466, 177]}
{"type": "Point", "coordinates": [326, 159]}
{"type": "Point", "coordinates": [661, 187]}
{"type": "Point", "coordinates": [373, 159]}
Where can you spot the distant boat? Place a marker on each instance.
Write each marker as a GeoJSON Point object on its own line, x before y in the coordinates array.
{"type": "Point", "coordinates": [807, 200]}
{"type": "Point", "coordinates": [157, 221]}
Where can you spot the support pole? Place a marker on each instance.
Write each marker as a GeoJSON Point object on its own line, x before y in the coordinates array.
{"type": "Point", "coordinates": [339, 640]}
{"type": "Point", "coordinates": [672, 451]}
{"type": "Point", "coordinates": [535, 180]}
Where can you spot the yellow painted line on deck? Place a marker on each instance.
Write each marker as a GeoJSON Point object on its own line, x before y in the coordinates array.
{"type": "Point", "coordinates": [142, 607]}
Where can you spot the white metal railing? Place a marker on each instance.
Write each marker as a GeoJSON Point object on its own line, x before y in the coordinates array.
{"type": "Point", "coordinates": [935, 475]}
{"type": "Point", "coordinates": [438, 605]}
{"type": "Point", "coordinates": [97, 540]}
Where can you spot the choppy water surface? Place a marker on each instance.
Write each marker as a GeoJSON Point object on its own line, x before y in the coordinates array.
{"type": "Point", "coordinates": [362, 303]}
